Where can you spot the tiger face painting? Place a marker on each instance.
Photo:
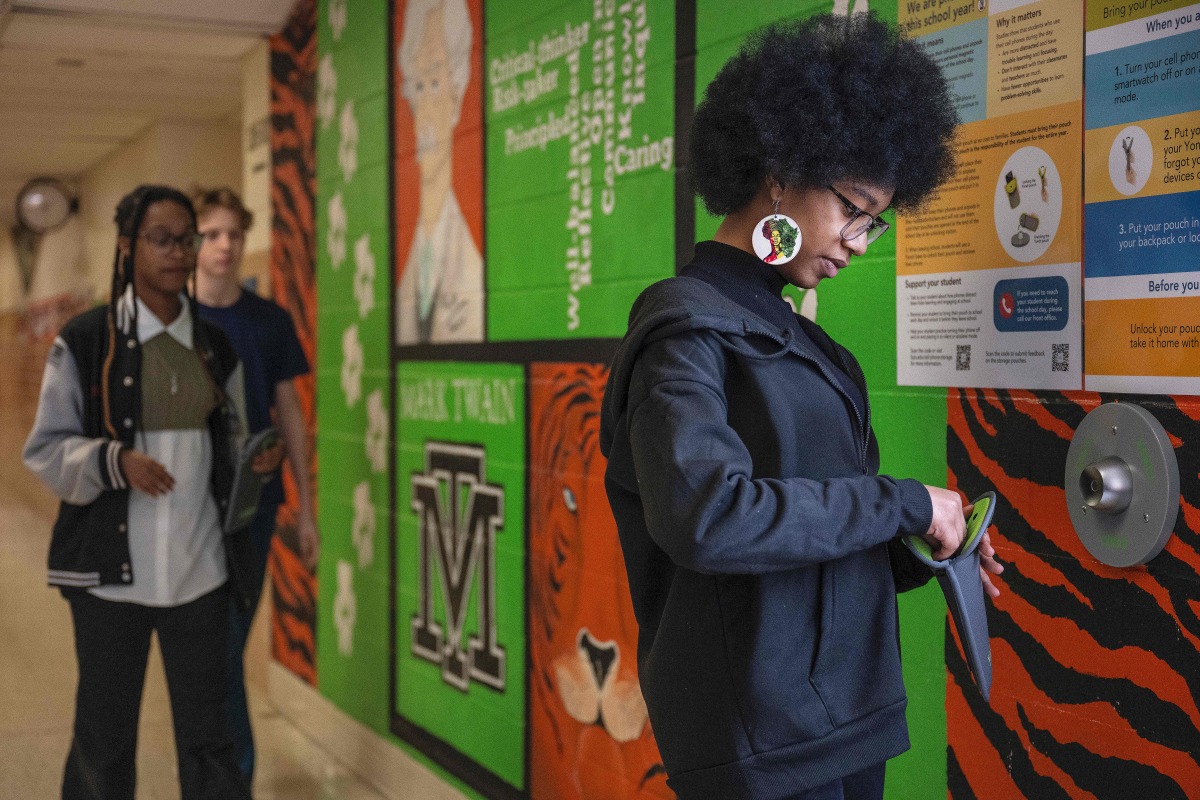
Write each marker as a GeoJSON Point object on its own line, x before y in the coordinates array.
{"type": "Point", "coordinates": [591, 738]}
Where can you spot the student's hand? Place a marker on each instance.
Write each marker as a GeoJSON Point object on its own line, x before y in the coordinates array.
{"type": "Point", "coordinates": [269, 459]}
{"type": "Point", "coordinates": [144, 473]}
{"type": "Point", "coordinates": [988, 563]}
{"type": "Point", "coordinates": [945, 534]}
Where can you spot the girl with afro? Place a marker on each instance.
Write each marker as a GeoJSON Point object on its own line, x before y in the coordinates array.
{"type": "Point", "coordinates": [762, 545]}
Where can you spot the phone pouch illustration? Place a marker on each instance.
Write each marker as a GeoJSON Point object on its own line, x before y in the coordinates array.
{"type": "Point", "coordinates": [1021, 238]}
{"type": "Point", "coordinates": [1010, 186]}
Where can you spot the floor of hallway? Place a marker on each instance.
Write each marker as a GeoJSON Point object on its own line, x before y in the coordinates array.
{"type": "Point", "coordinates": [37, 666]}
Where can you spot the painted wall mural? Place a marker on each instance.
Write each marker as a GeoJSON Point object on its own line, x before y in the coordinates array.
{"type": "Point", "coordinates": [460, 564]}
{"type": "Point", "coordinates": [580, 153]}
{"type": "Point", "coordinates": [293, 168]}
{"type": "Point", "coordinates": [588, 722]}
{"type": "Point", "coordinates": [1096, 669]}
{"type": "Point", "coordinates": [353, 258]}
{"type": "Point", "coordinates": [438, 140]}
{"type": "Point", "coordinates": [495, 182]}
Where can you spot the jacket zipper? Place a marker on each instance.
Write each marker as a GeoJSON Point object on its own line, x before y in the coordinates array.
{"type": "Point", "coordinates": [832, 381]}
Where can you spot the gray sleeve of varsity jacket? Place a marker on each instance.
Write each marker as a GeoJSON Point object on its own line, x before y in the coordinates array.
{"type": "Point", "coordinates": [76, 467]}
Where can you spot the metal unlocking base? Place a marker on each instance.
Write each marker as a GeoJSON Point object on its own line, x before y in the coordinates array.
{"type": "Point", "coordinates": [1122, 484]}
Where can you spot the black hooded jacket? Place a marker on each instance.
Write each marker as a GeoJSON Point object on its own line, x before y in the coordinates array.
{"type": "Point", "coordinates": [760, 542]}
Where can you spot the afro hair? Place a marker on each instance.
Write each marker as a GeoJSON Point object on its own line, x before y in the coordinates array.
{"type": "Point", "coordinates": [821, 100]}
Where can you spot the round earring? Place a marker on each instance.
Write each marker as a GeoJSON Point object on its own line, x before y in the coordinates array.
{"type": "Point", "coordinates": [776, 238]}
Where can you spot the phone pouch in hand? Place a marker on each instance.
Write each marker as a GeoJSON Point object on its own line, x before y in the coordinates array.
{"type": "Point", "coordinates": [961, 584]}
{"type": "Point", "coordinates": [242, 503]}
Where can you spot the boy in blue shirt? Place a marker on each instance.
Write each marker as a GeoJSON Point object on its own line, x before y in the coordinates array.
{"type": "Point", "coordinates": [265, 339]}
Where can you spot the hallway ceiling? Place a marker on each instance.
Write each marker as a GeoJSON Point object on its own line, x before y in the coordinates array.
{"type": "Point", "coordinates": [80, 78]}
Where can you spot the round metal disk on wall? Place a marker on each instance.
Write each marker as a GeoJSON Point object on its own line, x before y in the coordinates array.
{"type": "Point", "coordinates": [1122, 484]}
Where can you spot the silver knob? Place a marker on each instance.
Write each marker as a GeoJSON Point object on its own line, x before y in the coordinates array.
{"type": "Point", "coordinates": [1107, 485]}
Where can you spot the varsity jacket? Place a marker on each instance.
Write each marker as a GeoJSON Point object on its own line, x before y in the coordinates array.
{"type": "Point", "coordinates": [760, 543]}
{"type": "Point", "coordinates": [89, 545]}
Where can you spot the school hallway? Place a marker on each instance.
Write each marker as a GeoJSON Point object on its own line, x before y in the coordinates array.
{"type": "Point", "coordinates": [37, 664]}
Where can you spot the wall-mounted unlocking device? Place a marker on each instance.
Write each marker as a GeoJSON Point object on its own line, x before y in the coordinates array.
{"type": "Point", "coordinates": [1021, 238]}
{"type": "Point", "coordinates": [1122, 484]}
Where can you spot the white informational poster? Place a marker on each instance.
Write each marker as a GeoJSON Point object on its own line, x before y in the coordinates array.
{"type": "Point", "coordinates": [988, 275]}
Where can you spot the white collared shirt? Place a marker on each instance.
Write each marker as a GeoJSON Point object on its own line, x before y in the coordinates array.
{"type": "Point", "coordinates": [175, 544]}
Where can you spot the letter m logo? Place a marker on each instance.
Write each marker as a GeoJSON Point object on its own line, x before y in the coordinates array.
{"type": "Point", "coordinates": [459, 514]}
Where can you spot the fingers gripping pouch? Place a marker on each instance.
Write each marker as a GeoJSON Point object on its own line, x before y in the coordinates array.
{"type": "Point", "coordinates": [961, 584]}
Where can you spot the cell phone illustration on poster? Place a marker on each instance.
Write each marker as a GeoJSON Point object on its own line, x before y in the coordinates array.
{"type": "Point", "coordinates": [1028, 203]}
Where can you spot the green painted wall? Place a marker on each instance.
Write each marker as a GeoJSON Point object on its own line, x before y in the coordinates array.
{"type": "Point", "coordinates": [573, 251]}
{"type": "Point", "coordinates": [482, 715]}
{"type": "Point", "coordinates": [532, 223]}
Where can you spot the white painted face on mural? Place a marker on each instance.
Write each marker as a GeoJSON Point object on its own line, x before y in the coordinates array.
{"type": "Point", "coordinates": [432, 98]}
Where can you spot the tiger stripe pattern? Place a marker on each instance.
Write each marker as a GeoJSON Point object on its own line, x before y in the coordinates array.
{"type": "Point", "coordinates": [589, 729]}
{"type": "Point", "coordinates": [1096, 687]}
{"type": "Point", "coordinates": [293, 268]}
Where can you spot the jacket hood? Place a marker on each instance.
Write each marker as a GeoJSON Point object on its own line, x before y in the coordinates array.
{"type": "Point", "coordinates": [670, 307]}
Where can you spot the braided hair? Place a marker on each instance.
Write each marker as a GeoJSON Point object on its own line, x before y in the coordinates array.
{"type": "Point", "coordinates": [130, 212]}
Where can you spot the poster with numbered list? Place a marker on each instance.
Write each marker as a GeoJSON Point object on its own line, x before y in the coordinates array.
{"type": "Point", "coordinates": [988, 274]}
{"type": "Point", "coordinates": [1142, 195]}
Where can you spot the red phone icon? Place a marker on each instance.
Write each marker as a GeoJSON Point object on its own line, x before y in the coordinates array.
{"type": "Point", "coordinates": [1007, 305]}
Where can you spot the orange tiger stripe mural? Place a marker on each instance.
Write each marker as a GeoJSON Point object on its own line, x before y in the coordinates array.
{"type": "Point", "coordinates": [590, 734]}
{"type": "Point", "coordinates": [1096, 689]}
{"type": "Point", "coordinates": [293, 263]}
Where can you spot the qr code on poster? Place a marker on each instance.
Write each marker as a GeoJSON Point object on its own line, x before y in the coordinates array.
{"type": "Point", "coordinates": [1060, 358]}
{"type": "Point", "coordinates": [963, 362]}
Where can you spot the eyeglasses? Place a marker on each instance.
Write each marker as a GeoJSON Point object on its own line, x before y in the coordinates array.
{"type": "Point", "coordinates": [860, 221]}
{"type": "Point", "coordinates": [163, 242]}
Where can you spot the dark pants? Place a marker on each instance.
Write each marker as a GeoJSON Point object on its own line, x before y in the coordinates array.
{"type": "Point", "coordinates": [864, 785]}
{"type": "Point", "coordinates": [112, 646]}
{"type": "Point", "coordinates": [261, 529]}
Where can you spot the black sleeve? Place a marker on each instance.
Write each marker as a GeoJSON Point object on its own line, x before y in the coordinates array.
{"type": "Point", "coordinates": [908, 572]}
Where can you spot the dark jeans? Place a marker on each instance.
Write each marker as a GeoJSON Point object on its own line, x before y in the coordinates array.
{"type": "Point", "coordinates": [261, 529]}
{"type": "Point", "coordinates": [864, 785]}
{"type": "Point", "coordinates": [112, 646]}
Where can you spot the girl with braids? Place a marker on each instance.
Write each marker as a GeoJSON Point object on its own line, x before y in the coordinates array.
{"type": "Point", "coordinates": [763, 548]}
{"type": "Point", "coordinates": [139, 403]}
